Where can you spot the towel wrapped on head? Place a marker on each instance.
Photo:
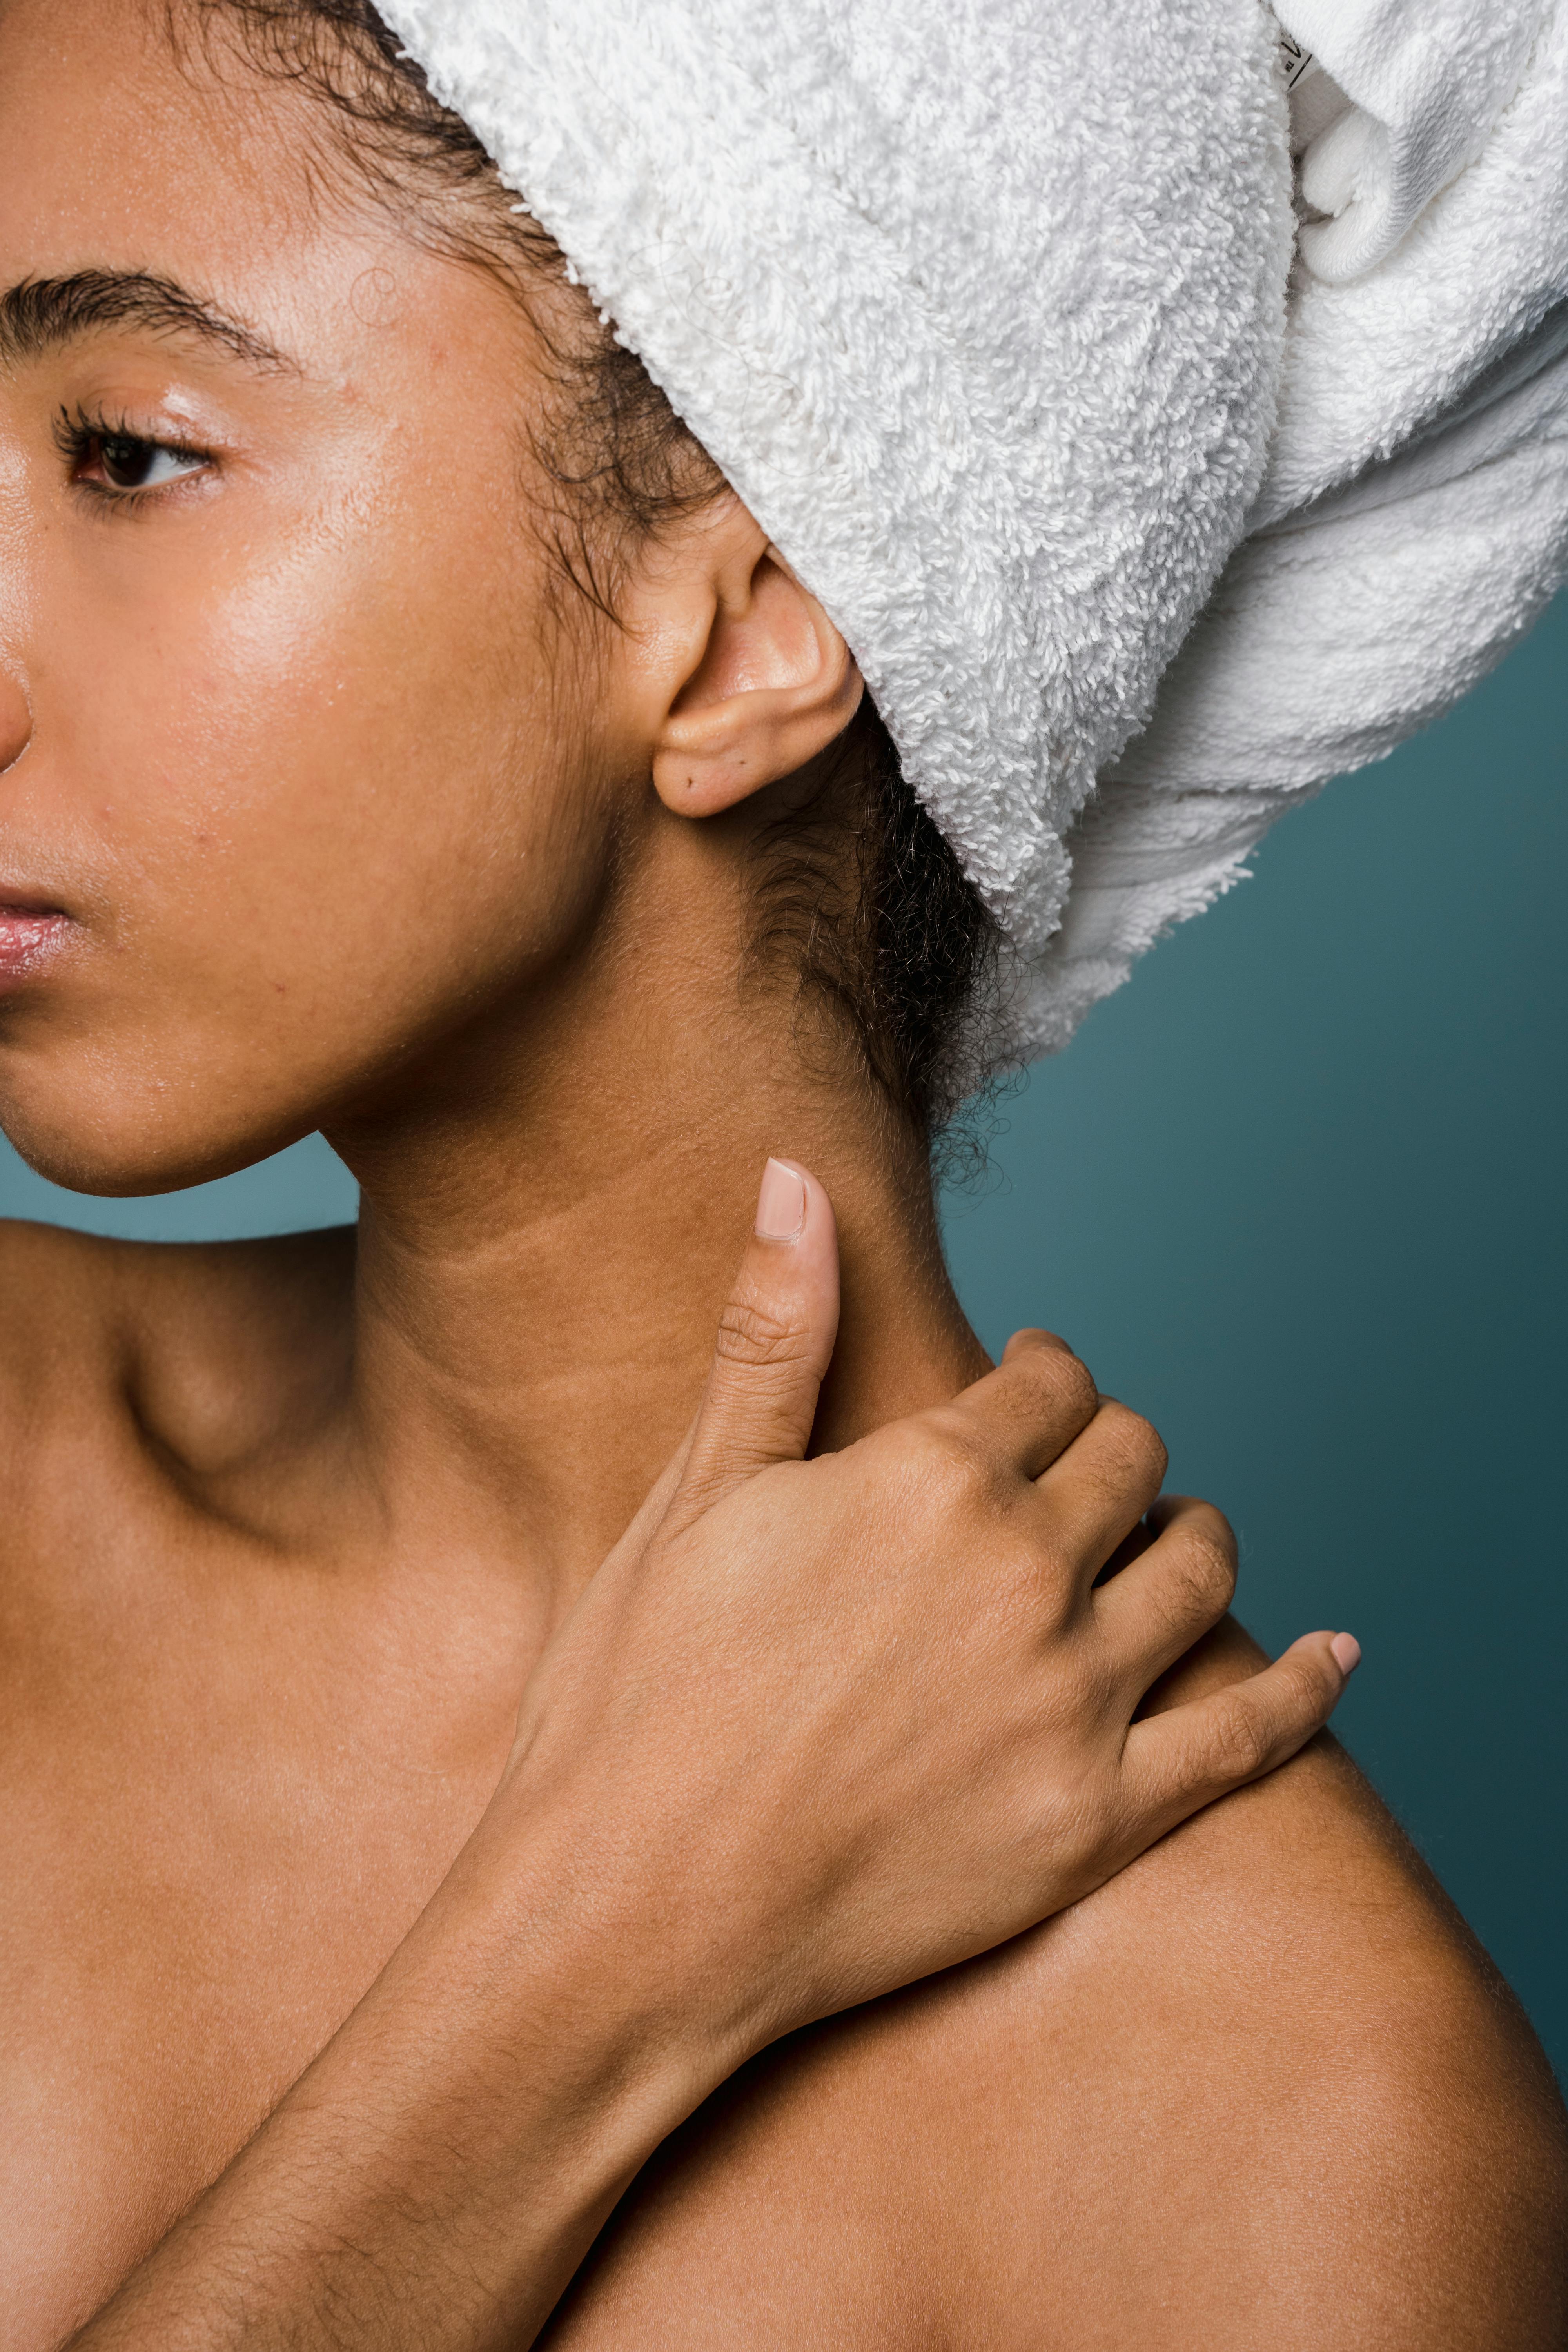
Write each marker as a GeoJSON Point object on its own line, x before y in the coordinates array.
{"type": "Point", "coordinates": [1143, 505]}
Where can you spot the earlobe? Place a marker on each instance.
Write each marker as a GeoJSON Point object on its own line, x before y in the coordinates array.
{"type": "Point", "coordinates": [774, 686]}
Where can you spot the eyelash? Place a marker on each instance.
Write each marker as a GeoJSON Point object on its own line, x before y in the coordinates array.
{"type": "Point", "coordinates": [78, 435]}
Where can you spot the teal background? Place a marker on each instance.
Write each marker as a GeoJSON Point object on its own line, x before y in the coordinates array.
{"type": "Point", "coordinates": [1298, 1192]}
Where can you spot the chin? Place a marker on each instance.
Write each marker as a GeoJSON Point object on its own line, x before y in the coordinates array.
{"type": "Point", "coordinates": [122, 1143]}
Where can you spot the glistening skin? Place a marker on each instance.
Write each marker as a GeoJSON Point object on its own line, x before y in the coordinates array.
{"type": "Point", "coordinates": [353, 818]}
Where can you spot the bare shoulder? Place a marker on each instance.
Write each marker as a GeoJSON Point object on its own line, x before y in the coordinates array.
{"type": "Point", "coordinates": [190, 1350]}
{"type": "Point", "coordinates": [1262, 2089]}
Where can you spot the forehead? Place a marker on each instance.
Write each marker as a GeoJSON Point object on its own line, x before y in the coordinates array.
{"type": "Point", "coordinates": [128, 153]}
{"type": "Point", "coordinates": [111, 141]}
{"type": "Point", "coordinates": [125, 150]}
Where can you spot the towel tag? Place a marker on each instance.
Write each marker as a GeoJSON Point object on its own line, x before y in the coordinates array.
{"type": "Point", "coordinates": [1297, 61]}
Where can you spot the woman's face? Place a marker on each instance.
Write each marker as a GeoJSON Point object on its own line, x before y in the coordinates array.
{"type": "Point", "coordinates": [292, 786]}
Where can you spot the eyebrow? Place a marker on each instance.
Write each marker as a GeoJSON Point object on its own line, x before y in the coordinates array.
{"type": "Point", "coordinates": [42, 314]}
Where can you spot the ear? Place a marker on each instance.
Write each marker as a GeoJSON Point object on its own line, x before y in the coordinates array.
{"type": "Point", "coordinates": [767, 681]}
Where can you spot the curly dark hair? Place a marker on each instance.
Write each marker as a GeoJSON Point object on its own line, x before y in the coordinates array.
{"type": "Point", "coordinates": [859, 896]}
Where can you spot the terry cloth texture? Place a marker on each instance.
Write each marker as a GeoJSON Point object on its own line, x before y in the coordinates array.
{"type": "Point", "coordinates": [1414, 519]}
{"type": "Point", "coordinates": [986, 308]}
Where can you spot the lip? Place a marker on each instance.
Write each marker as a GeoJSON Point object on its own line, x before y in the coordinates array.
{"type": "Point", "coordinates": [30, 933]}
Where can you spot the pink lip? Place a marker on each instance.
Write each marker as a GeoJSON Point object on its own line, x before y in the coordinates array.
{"type": "Point", "coordinates": [27, 937]}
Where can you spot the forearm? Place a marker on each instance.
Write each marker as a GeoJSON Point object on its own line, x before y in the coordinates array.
{"type": "Point", "coordinates": [437, 2174]}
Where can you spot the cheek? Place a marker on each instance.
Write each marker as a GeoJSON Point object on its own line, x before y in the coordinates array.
{"type": "Point", "coordinates": [326, 799]}
{"type": "Point", "coordinates": [296, 723]}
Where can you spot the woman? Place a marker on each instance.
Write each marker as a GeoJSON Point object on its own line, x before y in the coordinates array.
{"type": "Point", "coordinates": [332, 799]}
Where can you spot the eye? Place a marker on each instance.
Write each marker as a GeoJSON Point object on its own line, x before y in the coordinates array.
{"type": "Point", "coordinates": [108, 461]}
{"type": "Point", "coordinates": [124, 463]}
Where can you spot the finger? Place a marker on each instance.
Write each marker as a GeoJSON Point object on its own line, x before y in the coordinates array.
{"type": "Point", "coordinates": [1032, 1337]}
{"type": "Point", "coordinates": [1168, 1597]}
{"type": "Point", "coordinates": [1174, 1764]}
{"type": "Point", "coordinates": [776, 1339]}
{"type": "Point", "coordinates": [1102, 1485]}
{"type": "Point", "coordinates": [1025, 1412]}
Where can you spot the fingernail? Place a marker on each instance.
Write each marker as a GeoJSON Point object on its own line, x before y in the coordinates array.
{"type": "Point", "coordinates": [1347, 1652]}
{"type": "Point", "coordinates": [780, 1203]}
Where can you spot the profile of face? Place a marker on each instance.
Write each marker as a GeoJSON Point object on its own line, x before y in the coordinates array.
{"type": "Point", "coordinates": [308, 770]}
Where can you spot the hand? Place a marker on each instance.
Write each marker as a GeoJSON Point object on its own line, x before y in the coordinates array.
{"type": "Point", "coordinates": [825, 1726]}
{"type": "Point", "coordinates": [814, 1730]}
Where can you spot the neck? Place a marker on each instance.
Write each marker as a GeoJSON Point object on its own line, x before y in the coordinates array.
{"type": "Point", "coordinates": [549, 1231]}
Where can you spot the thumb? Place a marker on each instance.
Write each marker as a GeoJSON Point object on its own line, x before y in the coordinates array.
{"type": "Point", "coordinates": [775, 1339]}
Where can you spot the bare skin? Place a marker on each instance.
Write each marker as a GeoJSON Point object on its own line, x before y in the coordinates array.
{"type": "Point", "coordinates": [349, 837]}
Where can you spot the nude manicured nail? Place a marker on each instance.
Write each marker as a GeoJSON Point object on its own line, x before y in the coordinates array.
{"type": "Point", "coordinates": [1347, 1652]}
{"type": "Point", "coordinates": [780, 1203]}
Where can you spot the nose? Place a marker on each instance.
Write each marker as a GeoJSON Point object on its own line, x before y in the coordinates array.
{"type": "Point", "coordinates": [15, 719]}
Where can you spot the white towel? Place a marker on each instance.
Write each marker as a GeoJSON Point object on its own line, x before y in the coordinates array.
{"type": "Point", "coordinates": [984, 307]}
{"type": "Point", "coordinates": [1414, 520]}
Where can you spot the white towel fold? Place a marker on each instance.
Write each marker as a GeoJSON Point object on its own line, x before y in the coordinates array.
{"type": "Point", "coordinates": [986, 308]}
{"type": "Point", "coordinates": [1414, 520]}
{"type": "Point", "coordinates": [1427, 82]}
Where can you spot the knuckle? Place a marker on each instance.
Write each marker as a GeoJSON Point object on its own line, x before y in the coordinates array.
{"type": "Point", "coordinates": [1202, 1517]}
{"type": "Point", "coordinates": [1239, 1743]}
{"type": "Point", "coordinates": [1308, 1700]}
{"type": "Point", "coordinates": [901, 1457]}
{"type": "Point", "coordinates": [751, 1334]}
{"type": "Point", "coordinates": [1032, 1335]}
{"type": "Point", "coordinates": [1135, 1444]}
{"type": "Point", "coordinates": [952, 1463]}
{"type": "Point", "coordinates": [1207, 1567]}
{"type": "Point", "coordinates": [1068, 1384]}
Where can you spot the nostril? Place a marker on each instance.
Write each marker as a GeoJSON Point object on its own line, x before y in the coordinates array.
{"type": "Point", "coordinates": [15, 720]}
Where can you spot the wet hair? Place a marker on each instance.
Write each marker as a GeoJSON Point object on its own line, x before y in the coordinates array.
{"type": "Point", "coordinates": [860, 899]}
